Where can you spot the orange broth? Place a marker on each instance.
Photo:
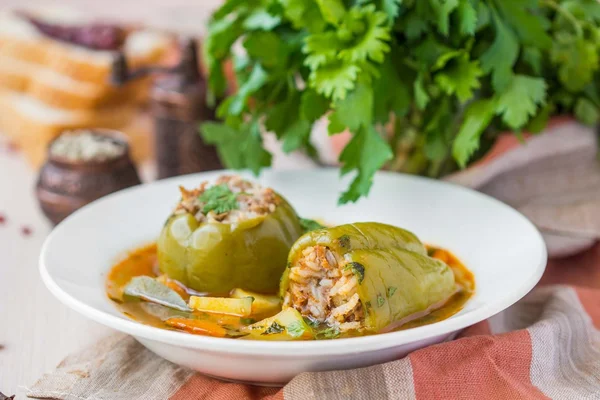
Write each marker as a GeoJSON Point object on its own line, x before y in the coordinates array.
{"type": "Point", "coordinates": [143, 261]}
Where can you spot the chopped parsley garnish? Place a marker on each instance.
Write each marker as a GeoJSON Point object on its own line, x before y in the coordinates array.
{"type": "Point", "coordinates": [380, 300]}
{"type": "Point", "coordinates": [358, 269]}
{"type": "Point", "coordinates": [313, 323]}
{"type": "Point", "coordinates": [295, 329]}
{"type": "Point", "coordinates": [344, 241]}
{"type": "Point", "coordinates": [329, 333]}
{"type": "Point", "coordinates": [274, 328]}
{"type": "Point", "coordinates": [310, 225]}
{"type": "Point", "coordinates": [391, 290]}
{"type": "Point", "coordinates": [219, 199]}
{"type": "Point", "coordinates": [247, 321]}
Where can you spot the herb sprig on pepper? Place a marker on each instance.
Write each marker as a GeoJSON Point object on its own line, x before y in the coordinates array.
{"type": "Point", "coordinates": [423, 86]}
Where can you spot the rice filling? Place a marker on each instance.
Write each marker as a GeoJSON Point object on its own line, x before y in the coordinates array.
{"type": "Point", "coordinates": [323, 289]}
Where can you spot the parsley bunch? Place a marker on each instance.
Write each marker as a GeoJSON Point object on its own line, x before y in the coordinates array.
{"type": "Point", "coordinates": [424, 86]}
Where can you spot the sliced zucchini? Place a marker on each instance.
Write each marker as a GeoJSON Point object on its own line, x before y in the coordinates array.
{"type": "Point", "coordinates": [222, 305]}
{"type": "Point", "coordinates": [263, 304]}
{"type": "Point", "coordinates": [287, 325]}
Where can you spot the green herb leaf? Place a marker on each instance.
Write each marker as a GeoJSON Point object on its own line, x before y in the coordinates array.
{"type": "Point", "coordinates": [313, 106]}
{"type": "Point", "coordinates": [261, 19]}
{"type": "Point", "coordinates": [149, 289]}
{"type": "Point", "coordinates": [533, 57]}
{"type": "Point", "coordinates": [371, 44]}
{"type": "Point", "coordinates": [268, 49]}
{"type": "Point", "coordinates": [309, 225]}
{"type": "Point", "coordinates": [442, 10]}
{"type": "Point", "coordinates": [219, 199]}
{"type": "Point", "coordinates": [390, 7]}
{"type": "Point", "coordinates": [366, 153]}
{"type": "Point", "coordinates": [477, 117]}
{"type": "Point", "coordinates": [356, 110]}
{"type": "Point", "coordinates": [358, 269]}
{"type": "Point", "coordinates": [576, 58]}
{"type": "Point", "coordinates": [296, 136]}
{"type": "Point", "coordinates": [586, 111]}
{"type": "Point", "coordinates": [460, 77]}
{"type": "Point", "coordinates": [334, 80]}
{"type": "Point", "coordinates": [304, 14]}
{"type": "Point", "coordinates": [501, 56]}
{"type": "Point", "coordinates": [467, 16]}
{"type": "Point", "coordinates": [344, 241]}
{"type": "Point", "coordinates": [421, 95]}
{"type": "Point", "coordinates": [391, 290]}
{"type": "Point", "coordinates": [273, 329]}
{"type": "Point", "coordinates": [256, 80]}
{"type": "Point", "coordinates": [332, 10]}
{"type": "Point", "coordinates": [529, 26]}
{"type": "Point", "coordinates": [329, 333]}
{"type": "Point", "coordinates": [313, 323]}
{"type": "Point", "coordinates": [395, 101]}
{"type": "Point", "coordinates": [380, 300]}
{"type": "Point", "coordinates": [238, 148]}
{"type": "Point", "coordinates": [520, 100]}
{"type": "Point", "coordinates": [247, 321]}
{"type": "Point", "coordinates": [295, 329]}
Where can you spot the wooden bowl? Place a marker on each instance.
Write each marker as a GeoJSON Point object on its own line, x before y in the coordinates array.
{"type": "Point", "coordinates": [66, 185]}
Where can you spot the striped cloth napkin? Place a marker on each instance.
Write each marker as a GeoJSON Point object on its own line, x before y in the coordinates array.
{"type": "Point", "coordinates": [545, 346]}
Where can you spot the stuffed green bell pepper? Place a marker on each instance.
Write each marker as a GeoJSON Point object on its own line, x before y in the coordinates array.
{"type": "Point", "coordinates": [234, 234]}
{"type": "Point", "coordinates": [364, 277]}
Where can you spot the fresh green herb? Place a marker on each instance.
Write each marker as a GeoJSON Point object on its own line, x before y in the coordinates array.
{"type": "Point", "coordinates": [219, 199]}
{"type": "Point", "coordinates": [358, 269]}
{"type": "Point", "coordinates": [329, 333]}
{"type": "Point", "coordinates": [391, 290]}
{"type": "Point", "coordinates": [368, 305]}
{"type": "Point", "coordinates": [380, 300]}
{"type": "Point", "coordinates": [461, 71]}
{"type": "Point", "coordinates": [344, 242]}
{"type": "Point", "coordinates": [295, 329]}
{"type": "Point", "coordinates": [149, 289]}
{"type": "Point", "coordinates": [247, 321]}
{"type": "Point", "coordinates": [313, 323]}
{"type": "Point", "coordinates": [310, 225]}
{"type": "Point", "coordinates": [274, 328]}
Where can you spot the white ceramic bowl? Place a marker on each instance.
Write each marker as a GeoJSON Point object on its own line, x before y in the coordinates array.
{"type": "Point", "coordinates": [502, 248]}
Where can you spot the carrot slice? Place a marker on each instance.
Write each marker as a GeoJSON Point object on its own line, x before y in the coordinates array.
{"type": "Point", "coordinates": [197, 326]}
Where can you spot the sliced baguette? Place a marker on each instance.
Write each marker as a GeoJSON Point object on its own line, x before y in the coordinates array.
{"type": "Point", "coordinates": [62, 91]}
{"type": "Point", "coordinates": [20, 40]}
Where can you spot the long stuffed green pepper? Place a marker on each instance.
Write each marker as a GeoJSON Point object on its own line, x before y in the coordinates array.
{"type": "Point", "coordinates": [233, 234]}
{"type": "Point", "coordinates": [363, 277]}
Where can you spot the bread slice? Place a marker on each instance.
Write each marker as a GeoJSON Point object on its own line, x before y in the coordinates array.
{"type": "Point", "coordinates": [20, 40]}
{"type": "Point", "coordinates": [62, 91]}
{"type": "Point", "coordinates": [31, 124]}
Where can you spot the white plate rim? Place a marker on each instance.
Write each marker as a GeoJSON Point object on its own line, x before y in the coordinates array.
{"type": "Point", "coordinates": [291, 348]}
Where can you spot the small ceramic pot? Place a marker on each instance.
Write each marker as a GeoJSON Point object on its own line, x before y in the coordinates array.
{"type": "Point", "coordinates": [65, 185]}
